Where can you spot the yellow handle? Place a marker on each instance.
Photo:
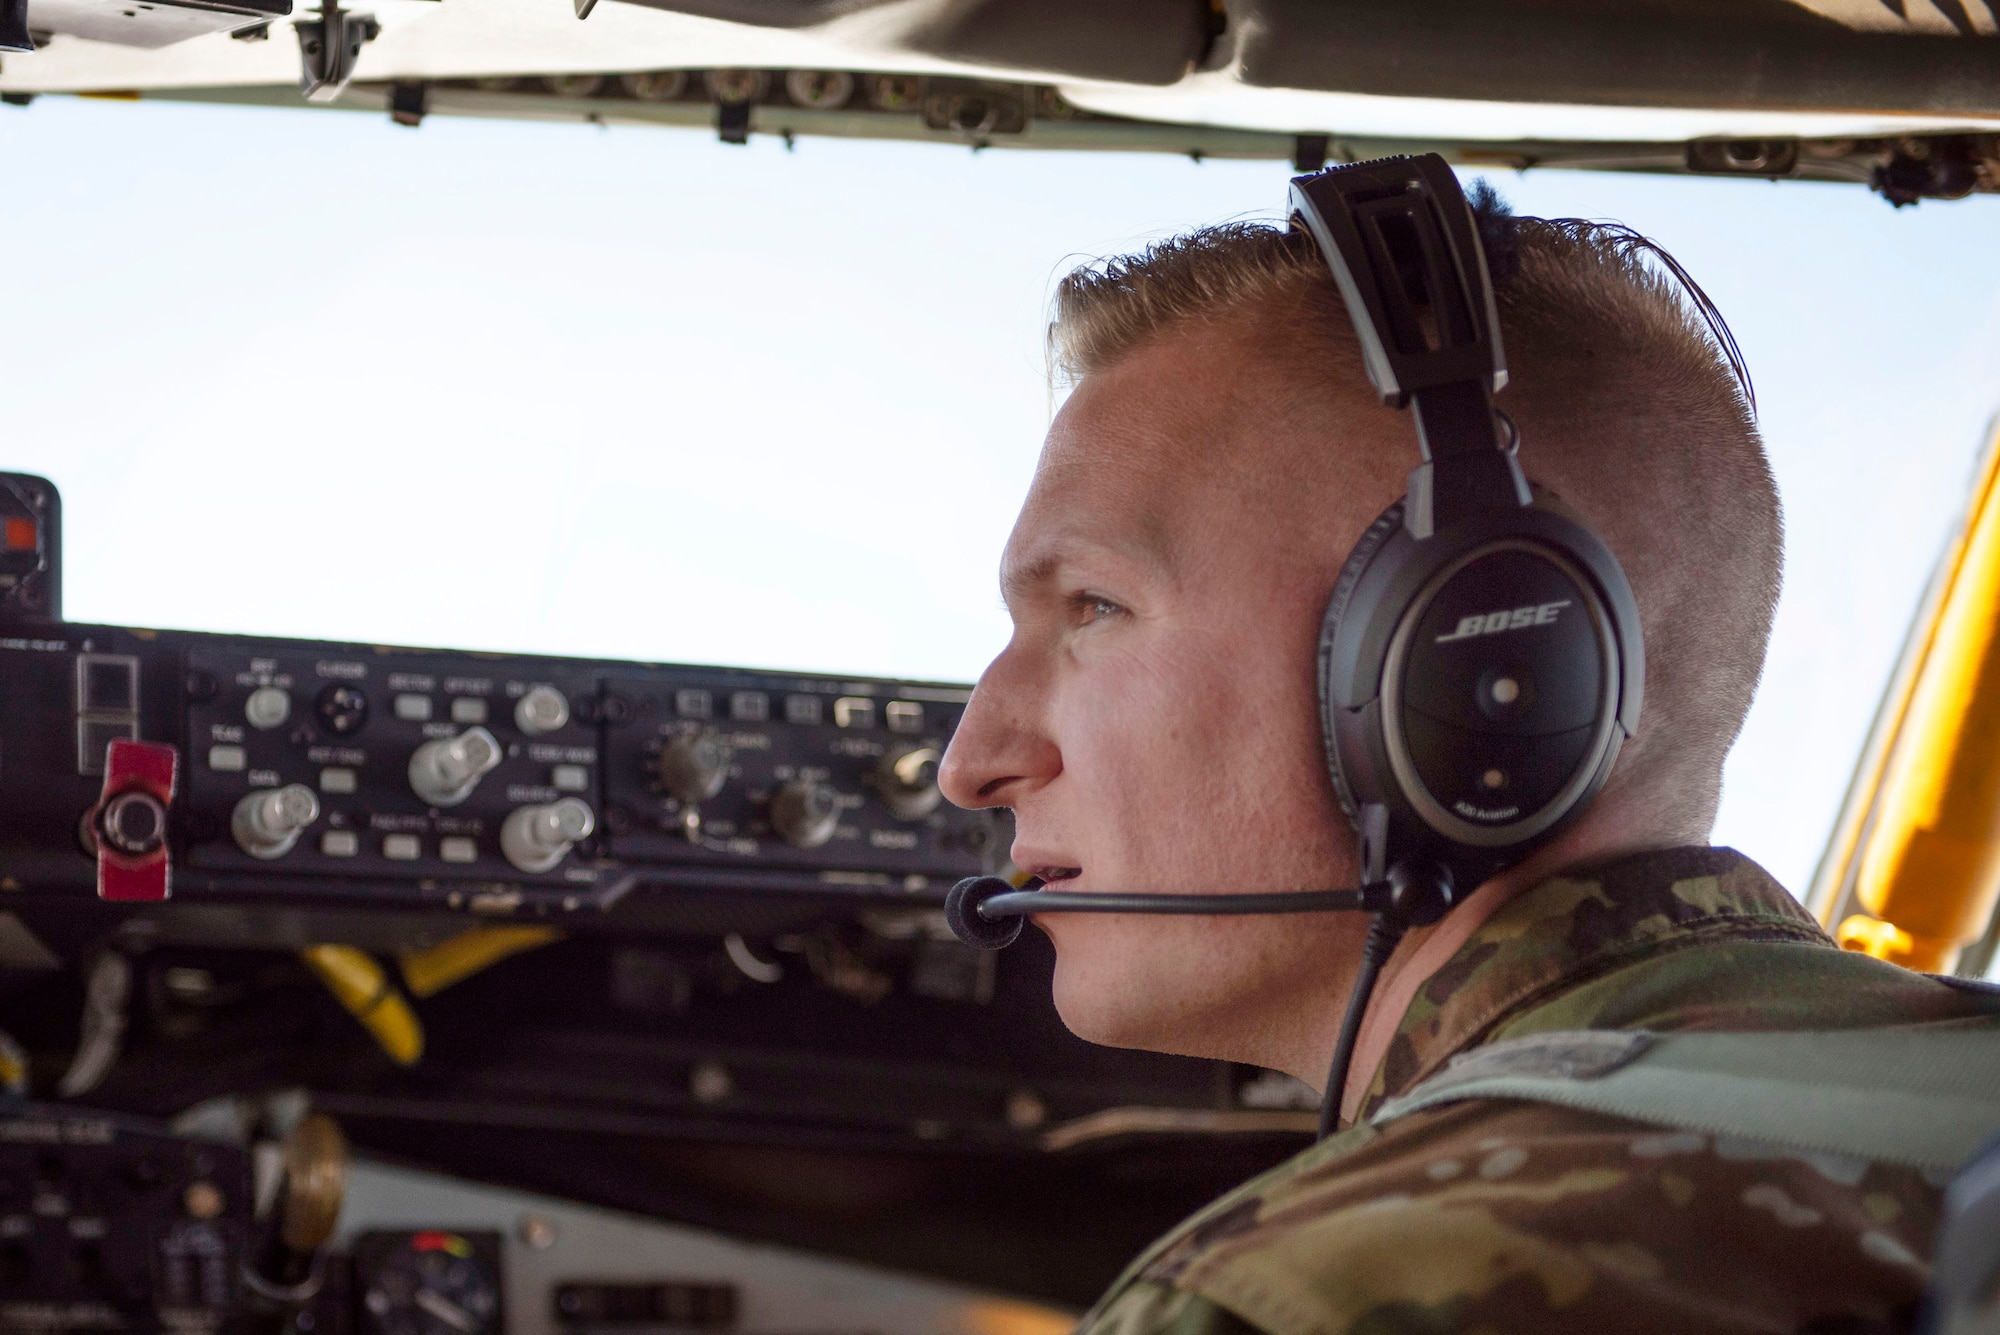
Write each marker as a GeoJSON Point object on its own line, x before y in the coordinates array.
{"type": "Point", "coordinates": [428, 972]}
{"type": "Point", "coordinates": [360, 984]}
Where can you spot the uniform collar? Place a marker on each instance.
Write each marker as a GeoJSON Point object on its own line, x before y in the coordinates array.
{"type": "Point", "coordinates": [1578, 926]}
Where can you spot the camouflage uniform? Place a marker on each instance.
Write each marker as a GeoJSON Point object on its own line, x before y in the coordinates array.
{"type": "Point", "coordinates": [1504, 1216]}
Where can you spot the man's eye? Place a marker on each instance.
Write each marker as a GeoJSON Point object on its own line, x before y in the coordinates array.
{"type": "Point", "coordinates": [1095, 607]}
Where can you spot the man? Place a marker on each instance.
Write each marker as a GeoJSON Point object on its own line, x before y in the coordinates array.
{"type": "Point", "coordinates": [1153, 724]}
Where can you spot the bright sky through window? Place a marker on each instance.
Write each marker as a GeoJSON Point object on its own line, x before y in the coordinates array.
{"type": "Point", "coordinates": [635, 393]}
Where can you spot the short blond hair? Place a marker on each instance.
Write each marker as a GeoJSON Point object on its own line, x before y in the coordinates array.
{"type": "Point", "coordinates": [1634, 405]}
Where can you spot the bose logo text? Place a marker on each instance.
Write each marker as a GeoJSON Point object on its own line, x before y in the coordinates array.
{"type": "Point", "coordinates": [1519, 618]}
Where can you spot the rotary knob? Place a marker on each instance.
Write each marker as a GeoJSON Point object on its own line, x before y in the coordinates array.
{"type": "Point", "coordinates": [268, 707]}
{"type": "Point", "coordinates": [694, 767]}
{"type": "Point", "coordinates": [542, 710]}
{"type": "Point", "coordinates": [535, 839]}
{"type": "Point", "coordinates": [907, 779]}
{"type": "Point", "coordinates": [267, 823]}
{"type": "Point", "coordinates": [342, 709]}
{"type": "Point", "coordinates": [445, 771]}
{"type": "Point", "coordinates": [804, 813]}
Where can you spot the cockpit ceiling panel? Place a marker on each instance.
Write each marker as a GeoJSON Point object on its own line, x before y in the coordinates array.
{"type": "Point", "coordinates": [1926, 56]}
{"type": "Point", "coordinates": [1733, 54]}
{"type": "Point", "coordinates": [1767, 55]}
{"type": "Point", "coordinates": [1118, 41]}
{"type": "Point", "coordinates": [1613, 73]}
{"type": "Point", "coordinates": [150, 23]}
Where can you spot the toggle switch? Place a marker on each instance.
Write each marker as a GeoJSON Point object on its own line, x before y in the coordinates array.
{"type": "Point", "coordinates": [444, 772]}
{"type": "Point", "coordinates": [535, 839]}
{"type": "Point", "coordinates": [269, 822]}
{"type": "Point", "coordinates": [128, 826]}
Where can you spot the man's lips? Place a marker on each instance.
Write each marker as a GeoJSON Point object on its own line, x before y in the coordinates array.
{"type": "Point", "coordinates": [1050, 866]}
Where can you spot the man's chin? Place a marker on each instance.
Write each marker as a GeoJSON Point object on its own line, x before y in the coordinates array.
{"type": "Point", "coordinates": [1121, 1007]}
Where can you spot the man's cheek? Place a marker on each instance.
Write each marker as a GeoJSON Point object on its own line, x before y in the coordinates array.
{"type": "Point", "coordinates": [1135, 743]}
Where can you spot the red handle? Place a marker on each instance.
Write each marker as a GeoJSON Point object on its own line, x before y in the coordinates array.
{"type": "Point", "coordinates": [129, 822]}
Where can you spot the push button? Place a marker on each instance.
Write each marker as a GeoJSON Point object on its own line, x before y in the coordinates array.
{"type": "Point", "coordinates": [94, 736]}
{"type": "Point", "coordinates": [107, 707]}
{"type": "Point", "coordinates": [402, 847]}
{"type": "Point", "coordinates": [413, 708]}
{"type": "Point", "coordinates": [107, 683]}
{"type": "Point", "coordinates": [468, 709]}
{"type": "Point", "coordinates": [340, 843]}
{"type": "Point", "coordinates": [458, 848]}
{"type": "Point", "coordinates": [227, 759]}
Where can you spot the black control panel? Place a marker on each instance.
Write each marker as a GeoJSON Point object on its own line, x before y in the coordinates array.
{"type": "Point", "coordinates": [502, 783]}
{"type": "Point", "coordinates": [110, 1225]}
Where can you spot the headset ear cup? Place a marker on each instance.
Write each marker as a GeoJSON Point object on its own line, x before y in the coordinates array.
{"type": "Point", "coordinates": [1358, 561]}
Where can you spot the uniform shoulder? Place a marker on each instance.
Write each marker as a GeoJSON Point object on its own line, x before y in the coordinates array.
{"type": "Point", "coordinates": [1505, 1215]}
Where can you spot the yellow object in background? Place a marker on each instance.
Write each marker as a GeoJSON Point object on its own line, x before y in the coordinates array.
{"type": "Point", "coordinates": [1872, 936]}
{"type": "Point", "coordinates": [13, 1066]}
{"type": "Point", "coordinates": [1921, 861]}
{"type": "Point", "coordinates": [999, 1316]}
{"type": "Point", "coordinates": [430, 971]}
{"type": "Point", "coordinates": [363, 987]}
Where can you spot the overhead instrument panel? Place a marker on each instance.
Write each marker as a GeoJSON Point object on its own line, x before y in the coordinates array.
{"type": "Point", "coordinates": [342, 771]}
{"type": "Point", "coordinates": [147, 765]}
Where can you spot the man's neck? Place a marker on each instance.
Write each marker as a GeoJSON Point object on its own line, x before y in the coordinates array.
{"type": "Point", "coordinates": [1426, 950]}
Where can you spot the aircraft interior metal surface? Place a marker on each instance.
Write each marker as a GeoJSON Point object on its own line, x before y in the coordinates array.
{"type": "Point", "coordinates": [1903, 97]}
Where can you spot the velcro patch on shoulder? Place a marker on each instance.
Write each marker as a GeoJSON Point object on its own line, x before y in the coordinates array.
{"type": "Point", "coordinates": [1579, 1055]}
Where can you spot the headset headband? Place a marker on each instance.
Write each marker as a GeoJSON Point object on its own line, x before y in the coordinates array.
{"type": "Point", "coordinates": [1403, 247]}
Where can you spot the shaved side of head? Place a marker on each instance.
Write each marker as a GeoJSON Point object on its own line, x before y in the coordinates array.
{"type": "Point", "coordinates": [1629, 407]}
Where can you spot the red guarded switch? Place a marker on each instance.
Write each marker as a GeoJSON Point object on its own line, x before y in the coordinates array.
{"type": "Point", "coordinates": [129, 821]}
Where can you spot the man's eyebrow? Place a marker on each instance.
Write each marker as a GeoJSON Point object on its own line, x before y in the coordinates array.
{"type": "Point", "coordinates": [1018, 581]}
{"type": "Point", "coordinates": [1038, 572]}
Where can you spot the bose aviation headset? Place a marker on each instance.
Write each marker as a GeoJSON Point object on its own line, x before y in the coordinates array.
{"type": "Point", "coordinates": [1480, 661]}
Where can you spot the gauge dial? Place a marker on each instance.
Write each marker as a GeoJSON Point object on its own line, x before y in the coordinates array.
{"type": "Point", "coordinates": [431, 1282]}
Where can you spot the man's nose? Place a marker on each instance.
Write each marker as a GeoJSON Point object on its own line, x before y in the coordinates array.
{"type": "Point", "coordinates": [1001, 749]}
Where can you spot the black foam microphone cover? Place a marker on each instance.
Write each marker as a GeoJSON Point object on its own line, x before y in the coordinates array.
{"type": "Point", "coordinates": [961, 914]}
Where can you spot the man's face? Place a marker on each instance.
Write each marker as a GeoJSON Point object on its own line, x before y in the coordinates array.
{"type": "Point", "coordinates": [1153, 722]}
